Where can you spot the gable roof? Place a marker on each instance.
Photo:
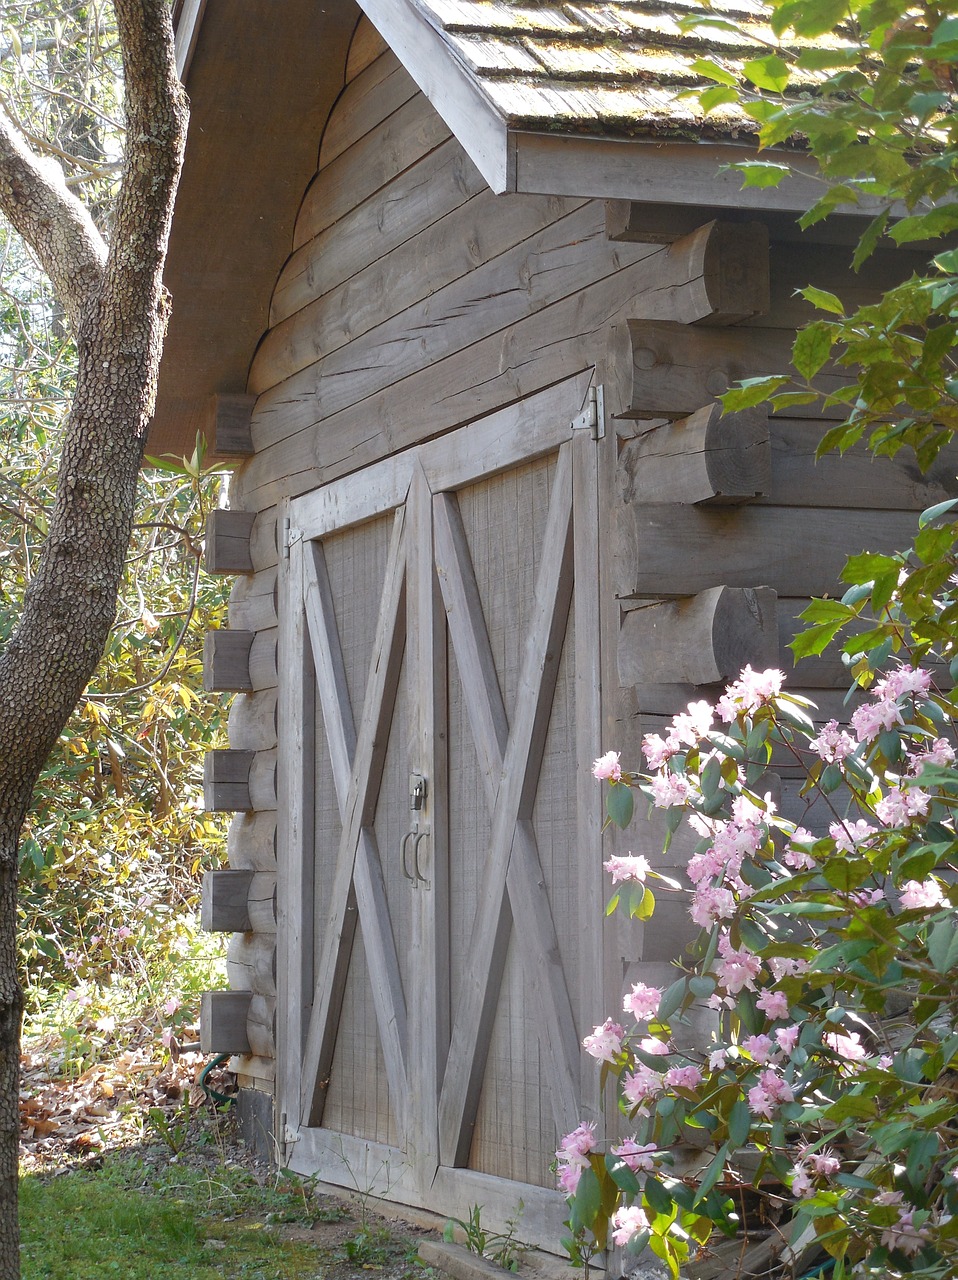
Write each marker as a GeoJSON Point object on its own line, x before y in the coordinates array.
{"type": "Point", "coordinates": [580, 98]}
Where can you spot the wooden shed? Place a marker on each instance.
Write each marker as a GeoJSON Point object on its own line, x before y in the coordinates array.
{"type": "Point", "coordinates": [456, 284]}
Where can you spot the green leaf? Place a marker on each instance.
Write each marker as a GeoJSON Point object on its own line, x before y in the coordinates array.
{"type": "Point", "coordinates": [739, 1124]}
{"type": "Point", "coordinates": [712, 1174]}
{"type": "Point", "coordinates": [709, 99]}
{"type": "Point", "coordinates": [714, 71]}
{"type": "Point", "coordinates": [587, 1201]}
{"type": "Point", "coordinates": [752, 391]}
{"type": "Point", "coordinates": [822, 299]}
{"type": "Point", "coordinates": [672, 998]}
{"type": "Point", "coordinates": [932, 513]}
{"type": "Point", "coordinates": [812, 347]}
{"type": "Point", "coordinates": [761, 173]}
{"type": "Point", "coordinates": [657, 1196]}
{"type": "Point", "coordinates": [770, 72]}
{"type": "Point", "coordinates": [943, 946]}
{"type": "Point", "coordinates": [619, 803]}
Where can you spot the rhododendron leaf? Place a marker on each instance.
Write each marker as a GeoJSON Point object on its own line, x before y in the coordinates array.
{"type": "Point", "coordinates": [619, 804]}
{"type": "Point", "coordinates": [672, 998]}
{"type": "Point", "coordinates": [622, 1175]}
{"type": "Point", "coordinates": [657, 1197]}
{"type": "Point", "coordinates": [739, 1124]}
{"type": "Point", "coordinates": [922, 1151]}
{"type": "Point", "coordinates": [712, 1173]}
{"type": "Point", "coordinates": [702, 986]}
{"type": "Point", "coordinates": [831, 778]}
{"type": "Point", "coordinates": [646, 906]}
{"type": "Point", "coordinates": [587, 1201]}
{"type": "Point", "coordinates": [943, 946]}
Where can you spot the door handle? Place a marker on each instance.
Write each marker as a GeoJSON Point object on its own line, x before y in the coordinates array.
{"type": "Point", "coordinates": [402, 856]}
{"type": "Point", "coordinates": [420, 878]}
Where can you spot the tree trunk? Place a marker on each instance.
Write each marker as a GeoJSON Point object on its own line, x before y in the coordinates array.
{"type": "Point", "coordinates": [116, 302]}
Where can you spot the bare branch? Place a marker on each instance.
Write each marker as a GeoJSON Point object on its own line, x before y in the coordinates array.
{"type": "Point", "coordinates": [58, 227]}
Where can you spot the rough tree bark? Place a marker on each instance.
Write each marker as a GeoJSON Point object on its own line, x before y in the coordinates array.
{"type": "Point", "coordinates": [114, 298]}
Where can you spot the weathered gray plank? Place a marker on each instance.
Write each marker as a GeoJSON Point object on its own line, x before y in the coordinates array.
{"type": "Point", "coordinates": [253, 601]}
{"type": "Point", "coordinates": [717, 274]}
{"type": "Point", "coordinates": [224, 906]}
{"type": "Point", "coordinates": [709, 457]}
{"type": "Point", "coordinates": [513, 858]}
{"type": "Point", "coordinates": [702, 639]}
{"type": "Point", "coordinates": [251, 842]}
{"type": "Point", "coordinates": [408, 204]}
{"type": "Point", "coordinates": [409, 134]}
{"type": "Point", "coordinates": [223, 1016]}
{"type": "Point", "coordinates": [227, 433]}
{"type": "Point", "coordinates": [226, 780]}
{"type": "Point", "coordinates": [262, 780]}
{"type": "Point", "coordinates": [555, 263]}
{"type": "Point", "coordinates": [251, 963]}
{"type": "Point", "coordinates": [473, 235]}
{"type": "Point", "coordinates": [252, 721]}
{"type": "Point", "coordinates": [262, 660]}
{"type": "Point", "coordinates": [227, 542]}
{"type": "Point", "coordinates": [226, 661]}
{"type": "Point", "coordinates": [357, 777]}
{"type": "Point", "coordinates": [678, 551]}
{"type": "Point", "coordinates": [677, 370]}
{"type": "Point", "coordinates": [261, 1025]}
{"type": "Point", "coordinates": [490, 374]}
{"type": "Point", "coordinates": [367, 100]}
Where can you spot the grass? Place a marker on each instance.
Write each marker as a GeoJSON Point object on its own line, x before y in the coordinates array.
{"type": "Point", "coordinates": [136, 1218]}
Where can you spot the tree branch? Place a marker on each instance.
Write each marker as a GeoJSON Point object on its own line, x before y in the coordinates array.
{"type": "Point", "coordinates": [34, 196]}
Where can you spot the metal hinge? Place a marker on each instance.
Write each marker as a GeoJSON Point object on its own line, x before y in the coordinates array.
{"type": "Point", "coordinates": [289, 1132]}
{"type": "Point", "coordinates": [592, 417]}
{"type": "Point", "coordinates": [290, 535]}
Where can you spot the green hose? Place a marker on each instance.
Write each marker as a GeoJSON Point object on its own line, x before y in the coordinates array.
{"type": "Point", "coordinates": [210, 1092]}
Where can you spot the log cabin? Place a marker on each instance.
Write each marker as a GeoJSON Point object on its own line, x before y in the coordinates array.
{"type": "Point", "coordinates": [456, 285]}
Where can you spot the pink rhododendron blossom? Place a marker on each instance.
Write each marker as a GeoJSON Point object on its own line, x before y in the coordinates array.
{"type": "Point", "coordinates": [124, 932]}
{"type": "Point", "coordinates": [628, 866]}
{"type": "Point", "coordinates": [752, 690]}
{"type": "Point", "coordinates": [567, 1178]}
{"type": "Point", "coordinates": [872, 718]}
{"type": "Point", "coordinates": [786, 967]}
{"type": "Point", "coordinates": [641, 1084]}
{"type": "Point", "coordinates": [848, 1047]}
{"type": "Point", "coordinates": [682, 1078]}
{"type": "Point", "coordinates": [832, 743]}
{"type": "Point", "coordinates": [746, 812]}
{"type": "Point", "coordinates": [167, 1037]}
{"type": "Point", "coordinates": [656, 1048]}
{"type": "Point", "coordinates": [916, 894]}
{"type": "Point", "coordinates": [689, 727]}
{"type": "Point", "coordinates": [704, 866]}
{"type": "Point", "coordinates": [885, 1061]}
{"type": "Point", "coordinates": [669, 790]}
{"type": "Point", "coordinates": [711, 903]}
{"type": "Point", "coordinates": [575, 1146]}
{"type": "Point", "coordinates": [901, 805]}
{"type": "Point", "coordinates": [769, 1094]}
{"type": "Point", "coordinates": [718, 1059]}
{"type": "Point", "coordinates": [902, 681]}
{"type": "Point", "coordinates": [823, 1163]}
{"type": "Point", "coordinates": [868, 897]}
{"type": "Point", "coordinates": [802, 1184]}
{"type": "Point", "coordinates": [849, 835]}
{"type": "Point", "coordinates": [905, 1236]}
{"type": "Point", "coordinates": [642, 1001]}
{"type": "Point", "coordinates": [605, 1043]}
{"type": "Point", "coordinates": [607, 767]}
{"type": "Point", "coordinates": [640, 1159]}
{"type": "Point", "coordinates": [787, 1037]}
{"type": "Point", "coordinates": [715, 1001]}
{"type": "Point", "coordinates": [627, 1222]}
{"type": "Point", "coordinates": [798, 859]}
{"type": "Point", "coordinates": [657, 750]}
{"type": "Point", "coordinates": [940, 752]}
{"type": "Point", "coordinates": [737, 970]}
{"type": "Point", "coordinates": [760, 1048]}
{"type": "Point", "coordinates": [171, 1007]}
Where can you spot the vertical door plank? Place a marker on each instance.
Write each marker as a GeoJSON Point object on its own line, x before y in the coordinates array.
{"type": "Point", "coordinates": [359, 870]}
{"type": "Point", "coordinates": [513, 857]}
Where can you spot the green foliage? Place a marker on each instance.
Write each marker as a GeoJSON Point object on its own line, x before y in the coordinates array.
{"type": "Point", "coordinates": [501, 1248]}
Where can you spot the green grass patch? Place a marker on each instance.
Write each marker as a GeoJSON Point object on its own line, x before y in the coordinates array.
{"type": "Point", "coordinates": [137, 1219]}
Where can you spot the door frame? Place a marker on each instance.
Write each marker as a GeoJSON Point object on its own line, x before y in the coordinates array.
{"type": "Point", "coordinates": [527, 430]}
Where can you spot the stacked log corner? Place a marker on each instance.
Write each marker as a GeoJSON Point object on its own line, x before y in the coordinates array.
{"type": "Point", "coordinates": [241, 779]}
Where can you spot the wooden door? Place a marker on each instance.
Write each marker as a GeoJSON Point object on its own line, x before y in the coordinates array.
{"type": "Point", "coordinates": [439, 833]}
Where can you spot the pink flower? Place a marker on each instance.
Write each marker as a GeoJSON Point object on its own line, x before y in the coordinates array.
{"type": "Point", "coordinates": [848, 1047]}
{"type": "Point", "coordinates": [737, 970]}
{"type": "Point", "coordinates": [638, 1159]}
{"type": "Point", "coordinates": [901, 805]}
{"type": "Point", "coordinates": [802, 1185]}
{"type": "Point", "coordinates": [786, 967]}
{"type": "Point", "coordinates": [904, 680]}
{"type": "Point", "coordinates": [605, 1043]}
{"type": "Point", "coordinates": [629, 866]}
{"type": "Point", "coordinates": [655, 1048]}
{"type": "Point", "coordinates": [690, 726]}
{"type": "Point", "coordinates": [787, 1037]}
{"type": "Point", "coordinates": [752, 690]}
{"type": "Point", "coordinates": [641, 1084]}
{"type": "Point", "coordinates": [642, 1001]}
{"type": "Point", "coordinates": [872, 717]}
{"type": "Point", "coordinates": [770, 1092]}
{"type": "Point", "coordinates": [711, 903]}
{"type": "Point", "coordinates": [940, 752]}
{"type": "Point", "coordinates": [607, 767]}
{"type": "Point", "coordinates": [832, 743]}
{"type": "Point", "coordinates": [567, 1178]}
{"type": "Point", "coordinates": [171, 1007]}
{"type": "Point", "coordinates": [798, 859]}
{"type": "Point", "coordinates": [124, 932]}
{"type": "Point", "coordinates": [916, 894]}
{"type": "Point", "coordinates": [822, 1163]}
{"type": "Point", "coordinates": [627, 1222]}
{"type": "Point", "coordinates": [760, 1048]}
{"type": "Point", "coordinates": [849, 835]}
{"type": "Point", "coordinates": [717, 1059]}
{"type": "Point", "coordinates": [658, 750]}
{"type": "Point", "coordinates": [905, 1236]}
{"type": "Point", "coordinates": [668, 790]}
{"type": "Point", "coordinates": [575, 1146]}
{"type": "Point", "coordinates": [682, 1078]}
{"type": "Point", "coordinates": [774, 1004]}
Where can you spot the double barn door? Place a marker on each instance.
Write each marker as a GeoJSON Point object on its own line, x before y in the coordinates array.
{"type": "Point", "coordinates": [440, 866]}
